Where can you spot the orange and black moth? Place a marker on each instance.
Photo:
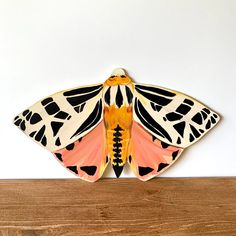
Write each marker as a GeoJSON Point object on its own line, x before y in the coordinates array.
{"type": "Point", "coordinates": [117, 121]}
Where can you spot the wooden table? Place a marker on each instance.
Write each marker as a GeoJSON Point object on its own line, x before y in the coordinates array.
{"type": "Point", "coordinates": [163, 206]}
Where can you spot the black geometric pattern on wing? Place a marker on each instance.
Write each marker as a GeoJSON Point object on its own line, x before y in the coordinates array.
{"type": "Point", "coordinates": [79, 99]}
{"type": "Point", "coordinates": [79, 108]}
{"type": "Point", "coordinates": [129, 94]}
{"type": "Point", "coordinates": [80, 91]}
{"type": "Point", "coordinates": [149, 122]}
{"type": "Point", "coordinates": [92, 119]}
{"type": "Point", "coordinates": [107, 96]}
{"type": "Point", "coordinates": [155, 90]}
{"type": "Point", "coordinates": [162, 101]}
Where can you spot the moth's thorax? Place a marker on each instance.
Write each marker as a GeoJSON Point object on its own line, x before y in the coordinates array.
{"type": "Point", "coordinates": [118, 116]}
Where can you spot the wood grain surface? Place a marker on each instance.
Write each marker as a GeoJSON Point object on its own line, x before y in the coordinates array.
{"type": "Point", "coordinates": [163, 206]}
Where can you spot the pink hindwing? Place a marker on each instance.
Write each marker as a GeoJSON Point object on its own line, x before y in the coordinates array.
{"type": "Point", "coordinates": [148, 155]}
{"type": "Point", "coordinates": [86, 157]}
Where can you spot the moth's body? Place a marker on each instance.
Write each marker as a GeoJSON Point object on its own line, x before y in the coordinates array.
{"type": "Point", "coordinates": [118, 119]}
{"type": "Point", "coordinates": [86, 127]}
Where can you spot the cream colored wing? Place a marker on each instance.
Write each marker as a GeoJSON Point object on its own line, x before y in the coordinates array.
{"type": "Point", "coordinates": [171, 116]}
{"type": "Point", "coordinates": [64, 117]}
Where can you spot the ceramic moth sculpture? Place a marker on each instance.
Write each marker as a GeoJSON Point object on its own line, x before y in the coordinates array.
{"type": "Point", "coordinates": [117, 121]}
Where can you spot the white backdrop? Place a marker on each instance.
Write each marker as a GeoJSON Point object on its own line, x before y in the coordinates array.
{"type": "Point", "coordinates": [51, 45]}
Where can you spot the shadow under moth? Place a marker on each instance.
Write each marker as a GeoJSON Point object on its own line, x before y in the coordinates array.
{"type": "Point", "coordinates": [117, 121]}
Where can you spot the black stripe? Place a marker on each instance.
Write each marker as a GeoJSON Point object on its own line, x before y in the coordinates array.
{"type": "Point", "coordinates": [92, 120]}
{"type": "Point", "coordinates": [52, 108]}
{"type": "Point", "coordinates": [40, 133]}
{"type": "Point", "coordinates": [183, 109]}
{"type": "Point", "coordinates": [46, 101]}
{"type": "Point", "coordinates": [35, 118]}
{"type": "Point", "coordinates": [56, 127]}
{"type": "Point", "coordinates": [25, 112]}
{"type": "Point", "coordinates": [59, 156]}
{"type": "Point", "coordinates": [179, 127]}
{"type": "Point", "coordinates": [161, 166]}
{"type": "Point", "coordinates": [164, 145]}
{"type": "Point", "coordinates": [155, 98]}
{"type": "Point", "coordinates": [60, 115]}
{"type": "Point", "coordinates": [178, 140]}
{"type": "Point", "coordinates": [156, 90]}
{"type": "Point", "coordinates": [197, 118]}
{"type": "Point", "coordinates": [172, 116]}
{"type": "Point", "coordinates": [155, 107]}
{"type": "Point", "coordinates": [191, 138]}
{"type": "Point", "coordinates": [175, 154]}
{"type": "Point", "coordinates": [44, 141]}
{"type": "Point", "coordinates": [32, 134]}
{"type": "Point", "coordinates": [28, 116]}
{"type": "Point", "coordinates": [17, 123]}
{"type": "Point", "coordinates": [129, 94]}
{"type": "Point", "coordinates": [107, 96]}
{"type": "Point", "coordinates": [119, 97]}
{"type": "Point", "coordinates": [213, 121]}
{"type": "Point", "coordinates": [206, 110]}
{"type": "Point", "coordinates": [130, 158]}
{"type": "Point", "coordinates": [73, 168]}
{"type": "Point", "coordinates": [58, 142]}
{"type": "Point", "coordinates": [204, 115]}
{"type": "Point", "coordinates": [75, 101]}
{"type": "Point", "coordinates": [189, 102]}
{"type": "Point", "coordinates": [79, 91]}
{"type": "Point", "coordinates": [208, 125]}
{"type": "Point", "coordinates": [89, 170]}
{"type": "Point", "coordinates": [144, 170]}
{"type": "Point", "coordinates": [79, 108]}
{"type": "Point", "coordinates": [149, 122]}
{"type": "Point", "coordinates": [195, 132]}
{"type": "Point", "coordinates": [22, 125]}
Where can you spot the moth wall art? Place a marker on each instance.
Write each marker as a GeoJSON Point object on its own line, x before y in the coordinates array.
{"type": "Point", "coordinates": [117, 121]}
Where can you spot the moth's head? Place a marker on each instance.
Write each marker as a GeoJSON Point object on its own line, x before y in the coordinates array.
{"type": "Point", "coordinates": [118, 76]}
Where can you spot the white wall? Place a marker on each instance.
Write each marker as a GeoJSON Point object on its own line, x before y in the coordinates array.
{"type": "Point", "coordinates": [186, 45]}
